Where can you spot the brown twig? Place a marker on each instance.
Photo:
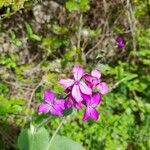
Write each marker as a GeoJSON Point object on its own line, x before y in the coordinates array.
{"type": "Point", "coordinates": [98, 43]}
{"type": "Point", "coordinates": [132, 22]}
{"type": "Point", "coordinates": [24, 86]}
{"type": "Point", "coordinates": [30, 100]}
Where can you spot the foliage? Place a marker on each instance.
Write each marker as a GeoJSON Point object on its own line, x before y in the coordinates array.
{"type": "Point", "coordinates": [30, 34]}
{"type": "Point", "coordinates": [31, 52]}
{"type": "Point", "coordinates": [38, 138]}
{"type": "Point", "coordinates": [10, 6]}
{"type": "Point", "coordinates": [81, 5]}
{"type": "Point", "coordinates": [15, 4]}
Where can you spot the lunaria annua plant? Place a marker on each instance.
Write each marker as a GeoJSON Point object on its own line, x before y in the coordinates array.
{"type": "Point", "coordinates": [84, 89]}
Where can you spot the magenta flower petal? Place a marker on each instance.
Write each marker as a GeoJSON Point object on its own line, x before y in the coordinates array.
{"type": "Point", "coordinates": [76, 94]}
{"type": "Point", "coordinates": [96, 73]}
{"type": "Point", "coordinates": [88, 77]}
{"type": "Point", "coordinates": [78, 105]}
{"type": "Point", "coordinates": [91, 80]}
{"type": "Point", "coordinates": [86, 98]}
{"type": "Point", "coordinates": [48, 96]}
{"type": "Point", "coordinates": [91, 103]}
{"type": "Point", "coordinates": [60, 103]}
{"type": "Point", "coordinates": [66, 82]}
{"type": "Point", "coordinates": [102, 88]}
{"type": "Point", "coordinates": [56, 110]}
{"type": "Point", "coordinates": [86, 114]}
{"type": "Point", "coordinates": [95, 100]}
{"type": "Point", "coordinates": [69, 102]}
{"type": "Point", "coordinates": [78, 72]}
{"type": "Point", "coordinates": [44, 108]}
{"type": "Point", "coordinates": [94, 114]}
{"type": "Point", "coordinates": [84, 88]}
{"type": "Point", "coordinates": [120, 42]}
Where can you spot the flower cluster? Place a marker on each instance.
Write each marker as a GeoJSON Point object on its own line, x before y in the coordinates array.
{"type": "Point", "coordinates": [83, 89]}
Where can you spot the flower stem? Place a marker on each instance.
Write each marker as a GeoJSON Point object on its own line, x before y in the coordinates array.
{"type": "Point", "coordinates": [44, 122]}
{"type": "Point", "coordinates": [55, 133]}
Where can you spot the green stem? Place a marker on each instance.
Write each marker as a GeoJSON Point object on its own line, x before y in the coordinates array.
{"type": "Point", "coordinates": [44, 122]}
{"type": "Point", "coordinates": [55, 133]}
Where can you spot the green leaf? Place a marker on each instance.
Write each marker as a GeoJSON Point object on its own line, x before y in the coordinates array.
{"type": "Point", "coordinates": [15, 40]}
{"type": "Point", "coordinates": [33, 139]}
{"type": "Point", "coordinates": [81, 5]}
{"type": "Point", "coordinates": [13, 35]}
{"type": "Point", "coordinates": [31, 35]}
{"type": "Point", "coordinates": [29, 29]}
{"type": "Point", "coordinates": [68, 111]}
{"type": "Point", "coordinates": [23, 141]}
{"type": "Point", "coordinates": [103, 67]}
{"type": "Point", "coordinates": [35, 37]}
{"type": "Point", "coordinates": [59, 29]}
{"type": "Point", "coordinates": [84, 5]}
{"type": "Point", "coordinates": [72, 6]}
{"type": "Point", "coordinates": [64, 143]}
{"type": "Point", "coordinates": [129, 76]}
{"type": "Point", "coordinates": [38, 139]}
{"type": "Point", "coordinates": [18, 43]}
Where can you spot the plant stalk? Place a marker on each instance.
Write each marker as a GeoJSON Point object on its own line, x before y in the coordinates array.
{"type": "Point", "coordinates": [55, 133]}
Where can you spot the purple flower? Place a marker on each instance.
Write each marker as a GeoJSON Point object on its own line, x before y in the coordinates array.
{"type": "Point", "coordinates": [71, 102]}
{"type": "Point", "coordinates": [80, 91]}
{"type": "Point", "coordinates": [76, 86]}
{"type": "Point", "coordinates": [120, 42]}
{"type": "Point", "coordinates": [91, 103]}
{"type": "Point", "coordinates": [52, 105]}
{"type": "Point", "coordinates": [93, 79]}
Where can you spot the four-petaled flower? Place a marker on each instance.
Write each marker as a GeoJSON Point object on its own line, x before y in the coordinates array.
{"type": "Point", "coordinates": [76, 85]}
{"type": "Point", "coordinates": [52, 105]}
{"type": "Point", "coordinates": [71, 102]}
{"type": "Point", "coordinates": [91, 103]}
{"type": "Point", "coordinates": [94, 80]}
{"type": "Point", "coordinates": [84, 89]}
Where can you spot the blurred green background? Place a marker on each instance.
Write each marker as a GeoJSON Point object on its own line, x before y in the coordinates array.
{"type": "Point", "coordinates": [40, 42]}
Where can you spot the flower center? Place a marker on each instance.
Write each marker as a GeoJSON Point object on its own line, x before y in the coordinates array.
{"type": "Point", "coordinates": [76, 82]}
